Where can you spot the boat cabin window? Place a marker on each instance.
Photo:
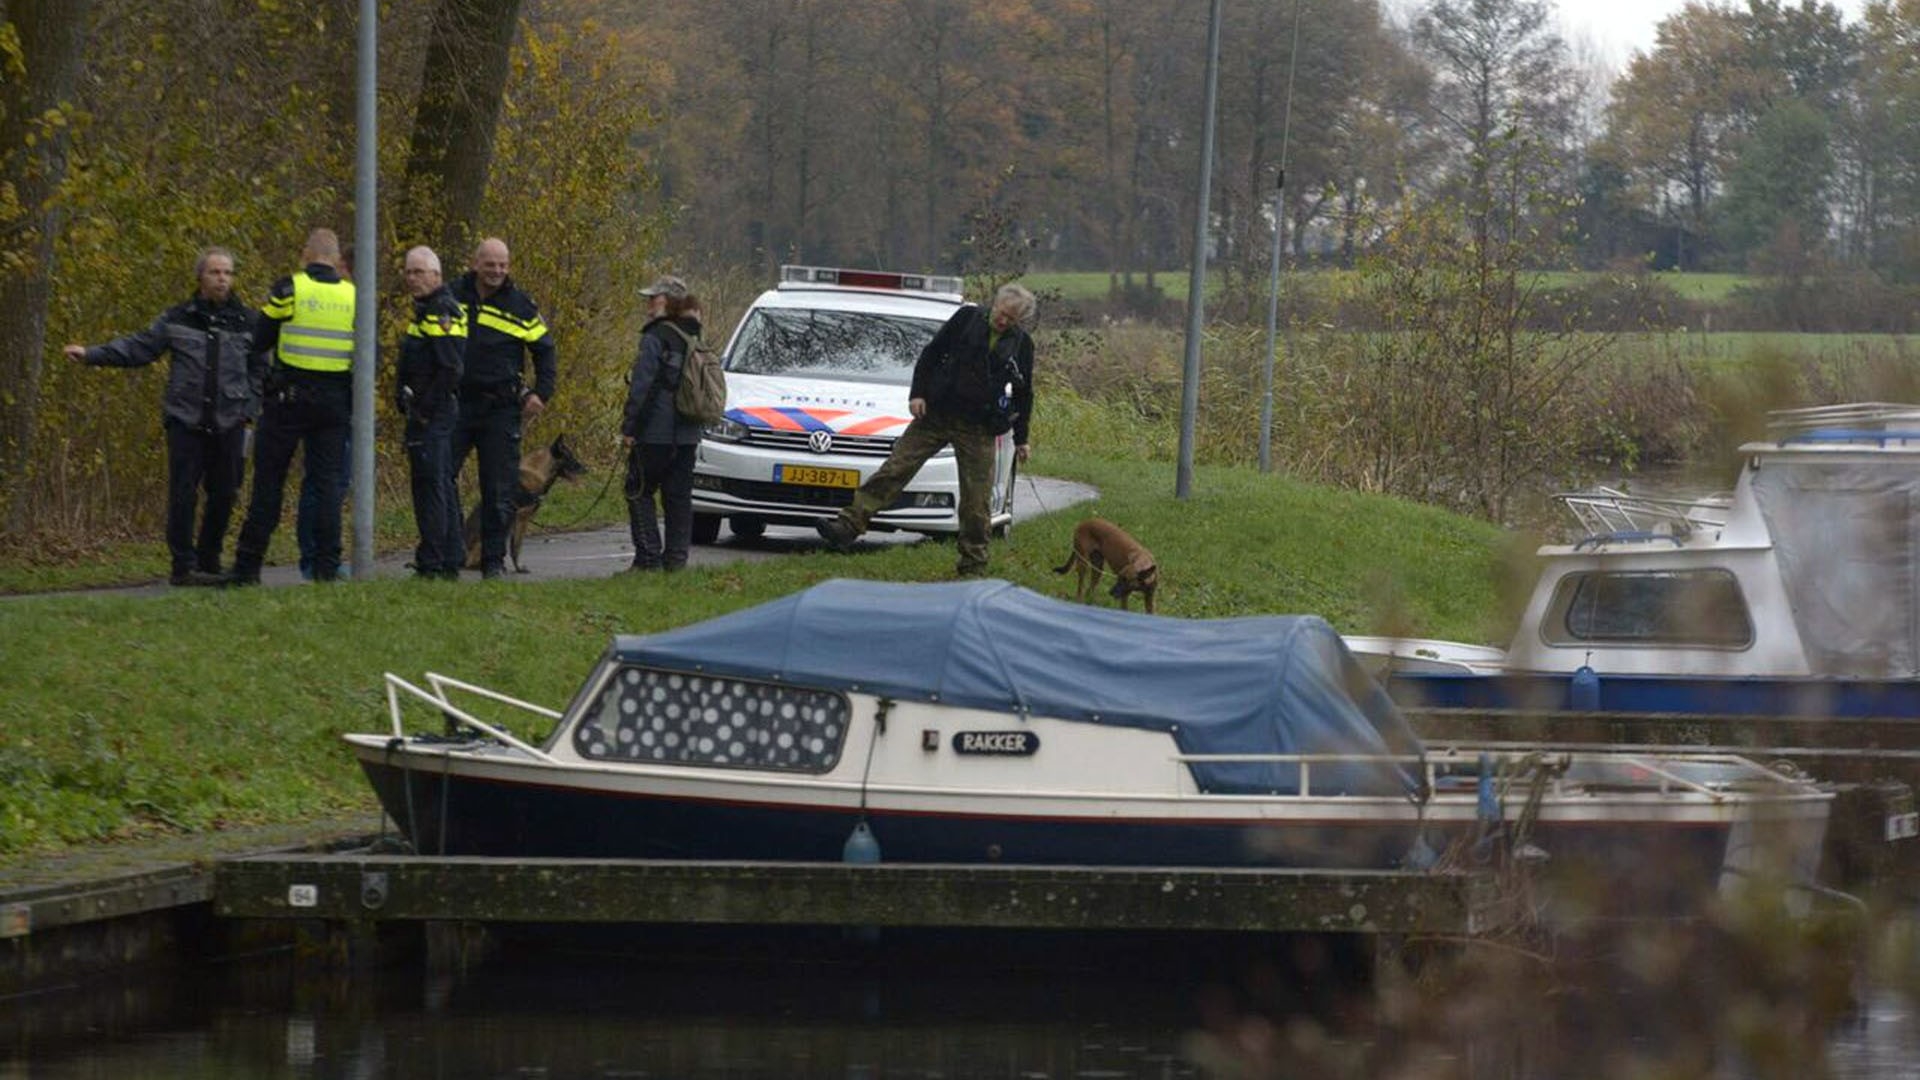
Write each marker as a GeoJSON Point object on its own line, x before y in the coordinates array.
{"type": "Point", "coordinates": [1702, 608]}
{"type": "Point", "coordinates": [648, 715]}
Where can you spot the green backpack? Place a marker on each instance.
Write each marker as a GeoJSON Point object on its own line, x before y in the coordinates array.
{"type": "Point", "coordinates": [702, 393]}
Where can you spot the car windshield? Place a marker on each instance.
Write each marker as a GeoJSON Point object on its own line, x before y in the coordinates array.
{"type": "Point", "coordinates": [840, 344]}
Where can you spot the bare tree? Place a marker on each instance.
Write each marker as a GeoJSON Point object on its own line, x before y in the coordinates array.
{"type": "Point", "coordinates": [1501, 72]}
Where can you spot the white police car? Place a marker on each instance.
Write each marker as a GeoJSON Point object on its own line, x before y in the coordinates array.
{"type": "Point", "coordinates": [817, 378]}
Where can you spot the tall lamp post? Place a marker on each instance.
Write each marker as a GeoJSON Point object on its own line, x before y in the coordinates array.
{"type": "Point", "coordinates": [366, 274]}
{"type": "Point", "coordinates": [1273, 320]}
{"type": "Point", "coordinates": [1197, 279]}
{"type": "Point", "coordinates": [1279, 241]}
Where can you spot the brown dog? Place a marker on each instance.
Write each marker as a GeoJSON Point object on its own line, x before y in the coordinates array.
{"type": "Point", "coordinates": [1098, 544]}
{"type": "Point", "coordinates": [540, 469]}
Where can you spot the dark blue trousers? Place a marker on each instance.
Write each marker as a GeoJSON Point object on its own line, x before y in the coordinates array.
{"type": "Point", "coordinates": [313, 413]}
{"type": "Point", "coordinates": [436, 510]}
{"type": "Point", "coordinates": [314, 488]}
{"type": "Point", "coordinates": [489, 424]}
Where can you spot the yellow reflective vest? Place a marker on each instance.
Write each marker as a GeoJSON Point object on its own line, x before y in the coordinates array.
{"type": "Point", "coordinates": [316, 331]}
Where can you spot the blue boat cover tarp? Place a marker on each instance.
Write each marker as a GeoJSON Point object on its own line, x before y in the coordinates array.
{"type": "Point", "coordinates": [1279, 684]}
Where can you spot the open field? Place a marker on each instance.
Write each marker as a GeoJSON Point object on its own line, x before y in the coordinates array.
{"type": "Point", "coordinates": [1093, 284]}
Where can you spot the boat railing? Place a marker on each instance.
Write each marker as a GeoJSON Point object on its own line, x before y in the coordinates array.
{"type": "Point", "coordinates": [1877, 422]}
{"type": "Point", "coordinates": [437, 698]}
{"type": "Point", "coordinates": [1609, 515]}
{"type": "Point", "coordinates": [1459, 762]}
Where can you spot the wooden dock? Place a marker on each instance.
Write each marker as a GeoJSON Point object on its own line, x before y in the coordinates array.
{"type": "Point", "coordinates": [390, 887]}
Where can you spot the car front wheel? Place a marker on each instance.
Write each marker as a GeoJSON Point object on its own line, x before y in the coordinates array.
{"type": "Point", "coordinates": [706, 528]}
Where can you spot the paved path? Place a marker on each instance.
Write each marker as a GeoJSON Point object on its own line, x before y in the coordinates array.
{"type": "Point", "coordinates": [597, 553]}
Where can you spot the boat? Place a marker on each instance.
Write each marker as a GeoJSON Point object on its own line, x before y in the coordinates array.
{"type": "Point", "coordinates": [1795, 594]}
{"type": "Point", "coordinates": [980, 723]}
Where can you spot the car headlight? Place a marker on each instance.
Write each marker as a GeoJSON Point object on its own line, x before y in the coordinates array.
{"type": "Point", "coordinates": [726, 431]}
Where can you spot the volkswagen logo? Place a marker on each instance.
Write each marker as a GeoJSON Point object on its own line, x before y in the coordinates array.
{"type": "Point", "coordinates": [820, 442]}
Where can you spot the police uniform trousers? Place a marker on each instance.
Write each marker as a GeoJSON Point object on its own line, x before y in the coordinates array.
{"type": "Point", "coordinates": [313, 488]}
{"type": "Point", "coordinates": [436, 509]}
{"type": "Point", "coordinates": [197, 457]}
{"type": "Point", "coordinates": [973, 453]}
{"type": "Point", "coordinates": [489, 423]}
{"type": "Point", "coordinates": [313, 412]}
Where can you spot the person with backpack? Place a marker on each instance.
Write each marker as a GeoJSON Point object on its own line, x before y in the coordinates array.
{"type": "Point", "coordinates": [659, 430]}
{"type": "Point", "coordinates": [972, 382]}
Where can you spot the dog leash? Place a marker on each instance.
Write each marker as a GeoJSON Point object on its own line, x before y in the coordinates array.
{"type": "Point", "coordinates": [584, 514]}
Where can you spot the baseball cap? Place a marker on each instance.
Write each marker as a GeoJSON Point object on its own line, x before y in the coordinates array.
{"type": "Point", "coordinates": [666, 285]}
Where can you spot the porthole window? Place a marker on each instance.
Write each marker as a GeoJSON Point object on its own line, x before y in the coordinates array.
{"type": "Point", "coordinates": [647, 715]}
{"type": "Point", "coordinates": [1699, 608]}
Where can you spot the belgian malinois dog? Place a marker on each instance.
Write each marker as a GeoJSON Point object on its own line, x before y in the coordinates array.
{"type": "Point", "coordinates": [1099, 544]}
{"type": "Point", "coordinates": [539, 470]}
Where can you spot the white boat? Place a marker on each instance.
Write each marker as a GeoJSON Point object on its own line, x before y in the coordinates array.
{"type": "Point", "coordinates": [980, 722]}
{"type": "Point", "coordinates": [1795, 594]}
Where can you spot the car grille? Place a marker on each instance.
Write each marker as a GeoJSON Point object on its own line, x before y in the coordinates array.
{"type": "Point", "coordinates": [797, 441]}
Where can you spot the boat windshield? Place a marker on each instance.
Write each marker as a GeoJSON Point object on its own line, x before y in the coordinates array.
{"type": "Point", "coordinates": [647, 715]}
{"type": "Point", "coordinates": [1697, 608]}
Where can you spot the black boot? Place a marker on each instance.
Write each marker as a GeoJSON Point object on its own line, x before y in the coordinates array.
{"type": "Point", "coordinates": [246, 570]}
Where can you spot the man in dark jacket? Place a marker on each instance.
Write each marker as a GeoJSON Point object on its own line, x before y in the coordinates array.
{"type": "Point", "coordinates": [431, 358]}
{"type": "Point", "coordinates": [661, 443]}
{"type": "Point", "coordinates": [307, 326]}
{"type": "Point", "coordinates": [503, 328]}
{"type": "Point", "coordinates": [213, 393]}
{"type": "Point", "coordinates": [972, 382]}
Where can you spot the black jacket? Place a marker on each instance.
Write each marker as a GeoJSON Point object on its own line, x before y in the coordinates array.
{"type": "Point", "coordinates": [219, 395]}
{"type": "Point", "coordinates": [502, 330]}
{"type": "Point", "coordinates": [649, 416]}
{"type": "Point", "coordinates": [958, 355]}
{"type": "Point", "coordinates": [431, 355]}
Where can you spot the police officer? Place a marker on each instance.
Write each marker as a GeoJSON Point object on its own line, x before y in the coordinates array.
{"type": "Point", "coordinates": [503, 328]}
{"type": "Point", "coordinates": [429, 370]}
{"type": "Point", "coordinates": [307, 328]}
{"type": "Point", "coordinates": [213, 393]}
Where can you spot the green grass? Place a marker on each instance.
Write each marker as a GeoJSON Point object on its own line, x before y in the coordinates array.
{"type": "Point", "coordinates": [196, 710]}
{"type": "Point", "coordinates": [1093, 284]}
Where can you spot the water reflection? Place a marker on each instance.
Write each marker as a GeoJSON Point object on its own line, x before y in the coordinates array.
{"type": "Point", "coordinates": [638, 1004]}
{"type": "Point", "coordinates": [632, 1003]}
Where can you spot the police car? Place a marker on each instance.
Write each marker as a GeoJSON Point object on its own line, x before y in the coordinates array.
{"type": "Point", "coordinates": [817, 379]}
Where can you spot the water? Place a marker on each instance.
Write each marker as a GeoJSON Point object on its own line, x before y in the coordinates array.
{"type": "Point", "coordinates": [1094, 1007]}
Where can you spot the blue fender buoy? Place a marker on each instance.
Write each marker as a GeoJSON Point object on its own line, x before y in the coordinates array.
{"type": "Point", "coordinates": [1486, 807]}
{"type": "Point", "coordinates": [861, 847]}
{"type": "Point", "coordinates": [1583, 691]}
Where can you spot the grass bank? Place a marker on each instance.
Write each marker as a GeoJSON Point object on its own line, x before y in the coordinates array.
{"type": "Point", "coordinates": [196, 710]}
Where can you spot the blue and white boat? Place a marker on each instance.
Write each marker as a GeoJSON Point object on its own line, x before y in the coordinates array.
{"type": "Point", "coordinates": [1797, 594]}
{"type": "Point", "coordinates": [980, 722]}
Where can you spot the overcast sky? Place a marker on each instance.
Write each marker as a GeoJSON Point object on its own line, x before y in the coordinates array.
{"type": "Point", "coordinates": [1619, 27]}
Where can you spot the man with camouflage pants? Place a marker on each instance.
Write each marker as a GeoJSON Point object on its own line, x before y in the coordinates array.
{"type": "Point", "coordinates": [972, 382]}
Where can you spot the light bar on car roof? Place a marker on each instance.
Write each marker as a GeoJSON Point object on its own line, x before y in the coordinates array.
{"type": "Point", "coordinates": [868, 279]}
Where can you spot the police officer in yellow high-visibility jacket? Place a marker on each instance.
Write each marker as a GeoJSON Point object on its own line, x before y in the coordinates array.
{"type": "Point", "coordinates": [306, 326]}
